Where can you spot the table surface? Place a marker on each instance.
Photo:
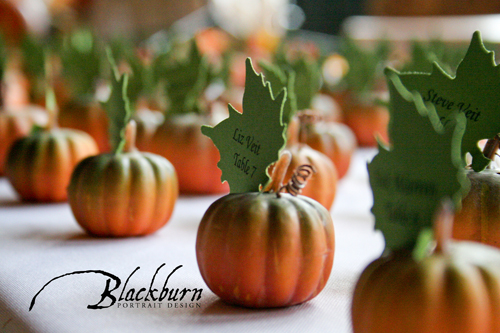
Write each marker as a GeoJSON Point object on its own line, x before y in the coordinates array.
{"type": "Point", "coordinates": [39, 242]}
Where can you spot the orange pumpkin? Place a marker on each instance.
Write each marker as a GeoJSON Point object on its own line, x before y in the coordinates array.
{"type": "Point", "coordinates": [39, 166]}
{"type": "Point", "coordinates": [89, 117]}
{"type": "Point", "coordinates": [12, 24]}
{"type": "Point", "coordinates": [456, 288]}
{"type": "Point", "coordinates": [126, 194]}
{"type": "Point", "coordinates": [193, 155]}
{"type": "Point", "coordinates": [368, 121]}
{"type": "Point", "coordinates": [335, 140]}
{"type": "Point", "coordinates": [15, 124]}
{"type": "Point", "coordinates": [457, 291]}
{"type": "Point", "coordinates": [479, 218]}
{"type": "Point", "coordinates": [265, 249]}
{"type": "Point", "coordinates": [323, 184]}
{"type": "Point", "coordinates": [212, 42]}
{"type": "Point", "coordinates": [148, 121]}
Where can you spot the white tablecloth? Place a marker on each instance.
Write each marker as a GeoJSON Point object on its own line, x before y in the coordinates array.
{"type": "Point", "coordinates": [39, 242]}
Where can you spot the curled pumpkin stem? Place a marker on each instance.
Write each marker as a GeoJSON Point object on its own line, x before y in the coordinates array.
{"type": "Point", "coordinates": [298, 180]}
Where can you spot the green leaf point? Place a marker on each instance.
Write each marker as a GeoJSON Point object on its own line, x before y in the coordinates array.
{"type": "Point", "coordinates": [473, 91]}
{"type": "Point", "coordinates": [422, 166]}
{"type": "Point", "coordinates": [249, 142]}
{"type": "Point", "coordinates": [117, 107]}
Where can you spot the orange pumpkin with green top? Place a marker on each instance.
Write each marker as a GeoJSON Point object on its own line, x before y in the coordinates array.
{"type": "Point", "coordinates": [39, 166]}
{"type": "Point", "coordinates": [266, 249]}
{"type": "Point", "coordinates": [126, 194]}
{"type": "Point", "coordinates": [456, 288]}
{"type": "Point", "coordinates": [15, 124]}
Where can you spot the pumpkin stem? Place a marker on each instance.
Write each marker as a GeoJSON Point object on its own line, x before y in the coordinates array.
{"type": "Point", "coordinates": [491, 147]}
{"type": "Point", "coordinates": [50, 96]}
{"type": "Point", "coordinates": [298, 180]}
{"type": "Point", "coordinates": [130, 135]}
{"type": "Point", "coordinates": [279, 172]}
{"type": "Point", "coordinates": [51, 107]}
{"type": "Point", "coordinates": [306, 117]}
{"type": "Point", "coordinates": [309, 116]}
{"type": "Point", "coordinates": [443, 226]}
{"type": "Point", "coordinates": [2, 94]}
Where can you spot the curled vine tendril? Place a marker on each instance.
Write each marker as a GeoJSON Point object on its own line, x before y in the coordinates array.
{"type": "Point", "coordinates": [298, 180]}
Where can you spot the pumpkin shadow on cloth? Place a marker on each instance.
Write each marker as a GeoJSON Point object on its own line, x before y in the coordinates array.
{"type": "Point", "coordinates": [219, 310]}
{"type": "Point", "coordinates": [14, 202]}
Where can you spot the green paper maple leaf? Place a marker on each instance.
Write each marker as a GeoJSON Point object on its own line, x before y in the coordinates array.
{"type": "Point", "coordinates": [424, 54]}
{"type": "Point", "coordinates": [81, 60]}
{"type": "Point", "coordinates": [307, 81]}
{"type": "Point", "coordinates": [280, 80]}
{"type": "Point", "coordinates": [423, 166]}
{"type": "Point", "coordinates": [185, 79]}
{"type": "Point", "coordinates": [140, 80]}
{"type": "Point", "coordinates": [307, 77]}
{"type": "Point", "coordinates": [117, 107]}
{"type": "Point", "coordinates": [249, 142]}
{"type": "Point", "coordinates": [365, 67]}
{"type": "Point", "coordinates": [474, 91]}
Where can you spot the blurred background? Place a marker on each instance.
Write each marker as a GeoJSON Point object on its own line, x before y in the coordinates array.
{"type": "Point", "coordinates": [188, 57]}
{"type": "Point", "coordinates": [141, 18]}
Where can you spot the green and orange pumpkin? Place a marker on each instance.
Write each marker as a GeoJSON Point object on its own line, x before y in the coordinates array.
{"type": "Point", "coordinates": [264, 249]}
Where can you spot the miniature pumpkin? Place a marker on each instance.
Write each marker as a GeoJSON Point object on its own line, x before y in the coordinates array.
{"type": "Point", "coordinates": [15, 124]}
{"type": "Point", "coordinates": [88, 117]}
{"type": "Point", "coordinates": [457, 291]}
{"type": "Point", "coordinates": [322, 185]}
{"type": "Point", "coordinates": [265, 249]}
{"type": "Point", "coordinates": [335, 140]}
{"type": "Point", "coordinates": [193, 155]}
{"type": "Point", "coordinates": [127, 194]}
{"type": "Point", "coordinates": [12, 24]}
{"type": "Point", "coordinates": [39, 166]}
{"type": "Point", "coordinates": [454, 289]}
{"type": "Point", "coordinates": [367, 121]}
{"type": "Point", "coordinates": [148, 121]}
{"type": "Point", "coordinates": [479, 218]}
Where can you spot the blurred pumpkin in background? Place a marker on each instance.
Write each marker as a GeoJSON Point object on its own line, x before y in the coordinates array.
{"type": "Point", "coordinates": [15, 124]}
{"type": "Point", "coordinates": [335, 140]}
{"type": "Point", "coordinates": [194, 156]}
{"type": "Point", "coordinates": [12, 24]}
{"type": "Point", "coordinates": [39, 166]}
